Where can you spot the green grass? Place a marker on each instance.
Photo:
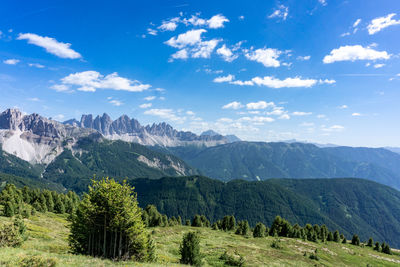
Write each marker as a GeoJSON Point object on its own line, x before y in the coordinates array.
{"type": "Point", "coordinates": [48, 238]}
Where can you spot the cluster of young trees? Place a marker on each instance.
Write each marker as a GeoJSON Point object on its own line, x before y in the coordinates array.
{"type": "Point", "coordinates": [108, 223]}
{"type": "Point", "coordinates": [13, 234]}
{"type": "Point", "coordinates": [27, 201]}
{"type": "Point", "coordinates": [384, 248]}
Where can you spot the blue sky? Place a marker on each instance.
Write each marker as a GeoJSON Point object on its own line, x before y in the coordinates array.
{"type": "Point", "coordinates": [322, 71]}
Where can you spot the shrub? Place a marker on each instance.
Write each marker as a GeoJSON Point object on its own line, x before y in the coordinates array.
{"type": "Point", "coordinates": [276, 244]}
{"type": "Point", "coordinates": [243, 228]}
{"type": "Point", "coordinates": [232, 260]}
{"type": "Point", "coordinates": [189, 249]}
{"type": "Point", "coordinates": [36, 261]}
{"type": "Point", "coordinates": [10, 236]}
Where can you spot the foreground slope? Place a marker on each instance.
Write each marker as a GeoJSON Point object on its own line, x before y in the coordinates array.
{"type": "Point", "coordinates": [48, 240]}
{"type": "Point", "coordinates": [349, 205]}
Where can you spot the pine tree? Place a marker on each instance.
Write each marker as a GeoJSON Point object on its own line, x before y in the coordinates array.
{"type": "Point", "coordinates": [386, 249]}
{"type": "Point", "coordinates": [197, 222]}
{"type": "Point", "coordinates": [259, 230]}
{"type": "Point", "coordinates": [9, 209]}
{"type": "Point", "coordinates": [377, 247]}
{"type": "Point", "coordinates": [189, 249]}
{"type": "Point", "coordinates": [370, 242]}
{"type": "Point", "coordinates": [330, 237]}
{"type": "Point", "coordinates": [336, 236]}
{"type": "Point", "coordinates": [344, 241]}
{"type": "Point", "coordinates": [108, 223]}
{"type": "Point", "coordinates": [355, 240]}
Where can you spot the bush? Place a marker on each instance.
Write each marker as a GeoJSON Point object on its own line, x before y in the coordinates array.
{"type": "Point", "coordinates": [276, 244]}
{"type": "Point", "coordinates": [189, 249]}
{"type": "Point", "coordinates": [232, 260]}
{"type": "Point", "coordinates": [36, 261]}
{"type": "Point", "coordinates": [243, 228]}
{"type": "Point", "coordinates": [10, 236]}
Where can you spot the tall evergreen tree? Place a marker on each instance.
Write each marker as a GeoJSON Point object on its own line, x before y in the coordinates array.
{"type": "Point", "coordinates": [189, 249]}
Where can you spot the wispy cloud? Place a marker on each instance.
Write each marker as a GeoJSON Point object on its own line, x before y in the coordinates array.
{"type": "Point", "coordinates": [51, 45]}
{"type": "Point", "coordinates": [280, 12]}
{"type": "Point", "coordinates": [233, 105]}
{"type": "Point", "coordinates": [378, 24]}
{"type": "Point", "coordinates": [11, 61]}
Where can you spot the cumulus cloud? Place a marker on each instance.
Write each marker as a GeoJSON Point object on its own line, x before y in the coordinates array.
{"type": "Point", "coordinates": [11, 61]}
{"type": "Point", "coordinates": [355, 52]}
{"type": "Point", "coordinates": [215, 22]}
{"type": "Point", "coordinates": [152, 31]}
{"type": "Point", "coordinates": [233, 105]}
{"type": "Point", "coordinates": [180, 54]}
{"type": "Point", "coordinates": [301, 113]}
{"type": "Point", "coordinates": [145, 105]}
{"type": "Point", "coordinates": [323, 2]}
{"type": "Point", "coordinates": [280, 12]}
{"type": "Point", "coordinates": [169, 25]}
{"type": "Point", "coordinates": [259, 105]}
{"type": "Point", "coordinates": [222, 79]}
{"type": "Point", "coordinates": [115, 102]}
{"type": "Point", "coordinates": [184, 39]}
{"type": "Point", "coordinates": [257, 119]}
{"type": "Point", "coordinates": [267, 56]}
{"type": "Point", "coordinates": [51, 45]}
{"type": "Point", "coordinates": [378, 24]}
{"type": "Point", "coordinates": [273, 82]}
{"type": "Point", "coordinates": [204, 49]}
{"type": "Point", "coordinates": [168, 114]}
{"type": "Point", "coordinates": [355, 114]}
{"type": "Point", "coordinates": [89, 81]}
{"type": "Point", "coordinates": [377, 66]}
{"type": "Point", "coordinates": [226, 53]}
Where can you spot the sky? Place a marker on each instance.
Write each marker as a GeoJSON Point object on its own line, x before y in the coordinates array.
{"type": "Point", "coordinates": [315, 70]}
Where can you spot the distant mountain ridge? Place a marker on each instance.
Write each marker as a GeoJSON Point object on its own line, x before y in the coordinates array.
{"type": "Point", "coordinates": [127, 129]}
{"type": "Point", "coordinates": [254, 161]}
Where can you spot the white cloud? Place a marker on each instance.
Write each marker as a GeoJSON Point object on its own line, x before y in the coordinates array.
{"type": "Point", "coordinates": [303, 58]}
{"type": "Point", "coordinates": [89, 81]}
{"type": "Point", "coordinates": [307, 124]}
{"type": "Point", "coordinates": [217, 21]}
{"type": "Point", "coordinates": [115, 102]}
{"type": "Point", "coordinates": [59, 117]}
{"type": "Point", "coordinates": [34, 99]}
{"type": "Point", "coordinates": [257, 119]}
{"type": "Point", "coordinates": [355, 52]}
{"type": "Point", "coordinates": [266, 56]}
{"type": "Point", "coordinates": [327, 81]}
{"type": "Point", "coordinates": [241, 83]}
{"type": "Point", "coordinates": [355, 24]}
{"type": "Point", "coordinates": [241, 17]}
{"type": "Point", "coordinates": [168, 114]}
{"type": "Point", "coordinates": [259, 105]}
{"type": "Point", "coordinates": [281, 12]}
{"type": "Point", "coordinates": [151, 31]}
{"type": "Point", "coordinates": [51, 45]}
{"type": "Point", "coordinates": [204, 48]}
{"type": "Point", "coordinates": [321, 116]}
{"type": "Point", "coordinates": [145, 105]}
{"type": "Point", "coordinates": [60, 88]}
{"type": "Point", "coordinates": [345, 34]}
{"type": "Point", "coordinates": [284, 117]}
{"type": "Point", "coordinates": [334, 128]}
{"type": "Point", "coordinates": [222, 79]}
{"type": "Point", "coordinates": [272, 82]}
{"type": "Point", "coordinates": [36, 65]}
{"type": "Point", "coordinates": [380, 23]}
{"type": "Point", "coordinates": [226, 53]}
{"type": "Point", "coordinates": [355, 114]}
{"type": "Point", "coordinates": [343, 107]}
{"type": "Point", "coordinates": [301, 113]}
{"type": "Point", "coordinates": [169, 25]}
{"type": "Point", "coordinates": [233, 105]}
{"type": "Point", "coordinates": [11, 61]}
{"type": "Point", "coordinates": [190, 113]}
{"type": "Point", "coordinates": [149, 98]}
{"type": "Point", "coordinates": [323, 2]}
{"type": "Point", "coordinates": [377, 66]}
{"type": "Point", "coordinates": [180, 54]}
{"type": "Point", "coordinates": [184, 39]}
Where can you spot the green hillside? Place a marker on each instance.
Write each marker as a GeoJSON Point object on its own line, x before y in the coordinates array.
{"type": "Point", "coordinates": [349, 205]}
{"type": "Point", "coordinates": [48, 241]}
{"type": "Point", "coordinates": [259, 161]}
